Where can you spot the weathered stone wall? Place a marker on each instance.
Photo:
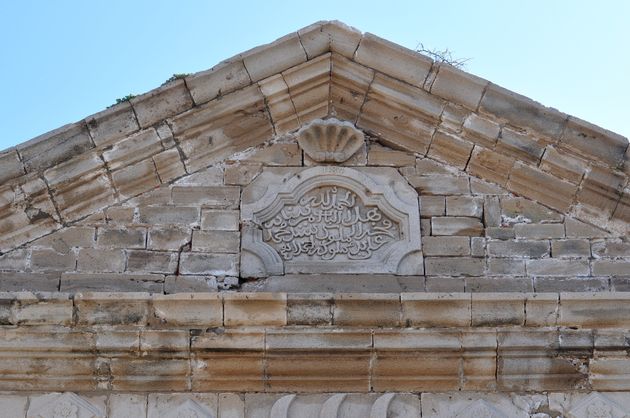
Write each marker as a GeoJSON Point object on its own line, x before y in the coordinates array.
{"type": "Point", "coordinates": [185, 236]}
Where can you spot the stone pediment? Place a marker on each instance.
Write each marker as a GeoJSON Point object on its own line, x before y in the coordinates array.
{"type": "Point", "coordinates": [402, 98]}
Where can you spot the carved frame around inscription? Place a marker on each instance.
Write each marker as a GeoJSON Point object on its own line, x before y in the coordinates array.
{"type": "Point", "coordinates": [331, 219]}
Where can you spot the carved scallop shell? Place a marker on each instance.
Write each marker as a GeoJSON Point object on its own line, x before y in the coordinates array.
{"type": "Point", "coordinates": [330, 140]}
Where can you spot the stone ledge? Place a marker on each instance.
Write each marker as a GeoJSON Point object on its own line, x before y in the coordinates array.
{"type": "Point", "coordinates": [247, 309]}
{"type": "Point", "coordinates": [312, 359]}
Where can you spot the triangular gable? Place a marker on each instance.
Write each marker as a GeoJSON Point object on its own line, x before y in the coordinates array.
{"type": "Point", "coordinates": [325, 70]}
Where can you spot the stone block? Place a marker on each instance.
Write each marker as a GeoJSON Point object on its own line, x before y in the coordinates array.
{"type": "Point", "coordinates": [432, 206]}
{"type": "Point", "coordinates": [212, 264]}
{"type": "Point", "coordinates": [491, 212]}
{"type": "Point", "coordinates": [564, 165]}
{"type": "Point", "coordinates": [520, 146]}
{"type": "Point", "coordinates": [221, 79]}
{"type": "Point", "coordinates": [383, 156]}
{"type": "Point", "coordinates": [610, 248]}
{"type": "Point", "coordinates": [482, 187]}
{"type": "Point", "coordinates": [519, 210]}
{"type": "Point", "coordinates": [506, 266]}
{"type": "Point", "coordinates": [357, 309]}
{"type": "Point", "coordinates": [111, 282]}
{"type": "Point", "coordinates": [490, 165]}
{"type": "Point", "coordinates": [608, 374]}
{"type": "Point", "coordinates": [578, 229]}
{"type": "Point", "coordinates": [113, 123]}
{"type": "Point", "coordinates": [430, 310]}
{"type": "Point", "coordinates": [187, 284]}
{"type": "Point", "coordinates": [416, 359]}
{"type": "Point", "coordinates": [309, 309]}
{"type": "Point", "coordinates": [611, 267]}
{"type": "Point", "coordinates": [119, 215]}
{"type": "Point", "coordinates": [151, 261]}
{"type": "Point", "coordinates": [219, 197]}
{"type": "Point", "coordinates": [329, 36]}
{"type": "Point", "coordinates": [158, 104]}
{"type": "Point", "coordinates": [450, 149]}
{"type": "Point", "coordinates": [169, 215]}
{"type": "Point", "coordinates": [173, 238]}
{"type": "Point", "coordinates": [401, 63]}
{"type": "Point", "coordinates": [542, 187]}
{"type": "Point", "coordinates": [502, 233]}
{"type": "Point", "coordinates": [583, 404]}
{"type": "Point", "coordinates": [592, 141]}
{"type": "Point", "coordinates": [13, 405]}
{"type": "Point", "coordinates": [497, 309]}
{"type": "Point", "coordinates": [458, 86]}
{"type": "Point", "coordinates": [499, 284]}
{"type": "Point", "coordinates": [456, 225]}
{"type": "Point", "coordinates": [622, 212]}
{"type": "Point", "coordinates": [388, 103]}
{"type": "Point", "coordinates": [216, 241]}
{"type": "Point", "coordinates": [571, 284]}
{"type": "Point", "coordinates": [600, 192]}
{"type": "Point", "coordinates": [135, 179]}
{"type": "Point", "coordinates": [241, 174]}
{"type": "Point", "coordinates": [281, 108]}
{"type": "Point", "coordinates": [349, 86]}
{"type": "Point", "coordinates": [313, 360]}
{"type": "Point", "coordinates": [153, 375]}
{"type": "Point", "coordinates": [470, 404]}
{"type": "Point", "coordinates": [16, 260]}
{"type": "Point", "coordinates": [481, 130]}
{"type": "Point", "coordinates": [464, 206]}
{"type": "Point", "coordinates": [522, 111]}
{"type": "Point", "coordinates": [169, 165]}
{"type": "Point", "coordinates": [42, 309]}
{"type": "Point", "coordinates": [80, 186]}
{"type": "Point", "coordinates": [212, 132]}
{"type": "Point", "coordinates": [445, 246]}
{"type": "Point", "coordinates": [596, 310]}
{"type": "Point", "coordinates": [112, 308]}
{"type": "Point", "coordinates": [454, 266]}
{"type": "Point", "coordinates": [524, 249]}
{"type": "Point", "coordinates": [127, 405]}
{"type": "Point", "coordinates": [51, 260]}
{"type": "Point", "coordinates": [270, 59]}
{"type": "Point", "coordinates": [541, 309]}
{"type": "Point", "coordinates": [277, 155]}
{"type": "Point", "coordinates": [570, 248]}
{"type": "Point", "coordinates": [309, 85]}
{"type": "Point", "coordinates": [121, 237]}
{"type": "Point", "coordinates": [220, 220]}
{"type": "Point", "coordinates": [21, 282]}
{"type": "Point", "coordinates": [132, 149]}
{"type": "Point", "coordinates": [440, 184]}
{"type": "Point", "coordinates": [10, 165]}
{"type": "Point", "coordinates": [100, 260]}
{"type": "Point", "coordinates": [478, 246]}
{"type": "Point", "coordinates": [55, 147]}
{"type": "Point", "coordinates": [539, 231]}
{"type": "Point", "coordinates": [263, 309]}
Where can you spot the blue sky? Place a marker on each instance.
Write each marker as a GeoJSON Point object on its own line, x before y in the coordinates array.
{"type": "Point", "coordinates": [64, 60]}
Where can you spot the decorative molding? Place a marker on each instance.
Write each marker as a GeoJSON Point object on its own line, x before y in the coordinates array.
{"type": "Point", "coordinates": [330, 140]}
{"type": "Point", "coordinates": [332, 220]}
{"type": "Point", "coordinates": [65, 405]}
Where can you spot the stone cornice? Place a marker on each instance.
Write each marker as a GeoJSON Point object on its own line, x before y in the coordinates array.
{"type": "Point", "coordinates": [305, 343]}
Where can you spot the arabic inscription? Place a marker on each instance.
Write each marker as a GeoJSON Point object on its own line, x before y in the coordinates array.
{"type": "Point", "coordinates": [329, 223]}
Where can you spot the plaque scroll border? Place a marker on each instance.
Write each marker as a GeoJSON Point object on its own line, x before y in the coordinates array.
{"type": "Point", "coordinates": [403, 257]}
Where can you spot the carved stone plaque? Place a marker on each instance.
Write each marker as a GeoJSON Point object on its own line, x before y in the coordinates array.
{"type": "Point", "coordinates": [330, 220]}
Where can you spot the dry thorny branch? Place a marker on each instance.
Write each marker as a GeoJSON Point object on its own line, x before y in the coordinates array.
{"type": "Point", "coordinates": [445, 56]}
